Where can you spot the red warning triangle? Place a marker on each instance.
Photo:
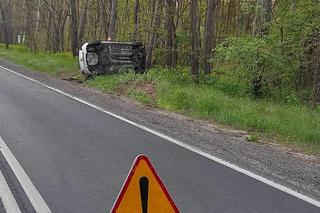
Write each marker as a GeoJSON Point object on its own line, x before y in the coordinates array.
{"type": "Point", "coordinates": [143, 191]}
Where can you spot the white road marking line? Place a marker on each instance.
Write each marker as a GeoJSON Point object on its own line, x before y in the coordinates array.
{"type": "Point", "coordinates": [8, 201]}
{"type": "Point", "coordinates": [180, 143]}
{"type": "Point", "coordinates": [32, 193]}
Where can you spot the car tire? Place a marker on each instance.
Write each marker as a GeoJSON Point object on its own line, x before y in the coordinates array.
{"type": "Point", "coordinates": [139, 59]}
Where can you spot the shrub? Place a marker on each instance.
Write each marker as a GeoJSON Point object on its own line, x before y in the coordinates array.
{"type": "Point", "coordinates": [254, 61]}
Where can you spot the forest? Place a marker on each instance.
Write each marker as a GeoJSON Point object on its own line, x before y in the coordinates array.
{"type": "Point", "coordinates": [267, 51]}
{"type": "Point", "coordinates": [270, 47]}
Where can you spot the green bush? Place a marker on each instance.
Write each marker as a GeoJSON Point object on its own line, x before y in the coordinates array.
{"type": "Point", "coordinates": [276, 63]}
{"type": "Point", "coordinates": [246, 59]}
{"type": "Point", "coordinates": [295, 31]}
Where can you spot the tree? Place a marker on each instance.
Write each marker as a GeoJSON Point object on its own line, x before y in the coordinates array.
{"type": "Point", "coordinates": [74, 28]}
{"type": "Point", "coordinates": [83, 21]}
{"type": "Point", "coordinates": [54, 17]}
{"type": "Point", "coordinates": [154, 31]}
{"type": "Point", "coordinates": [208, 35]}
{"type": "Point", "coordinates": [260, 29]}
{"type": "Point", "coordinates": [113, 20]}
{"type": "Point", "coordinates": [195, 42]}
{"type": "Point", "coordinates": [136, 20]}
{"type": "Point", "coordinates": [31, 25]}
{"type": "Point", "coordinates": [5, 23]}
{"type": "Point", "coordinates": [263, 18]}
{"type": "Point", "coordinates": [171, 60]}
{"type": "Point", "coordinates": [6, 17]}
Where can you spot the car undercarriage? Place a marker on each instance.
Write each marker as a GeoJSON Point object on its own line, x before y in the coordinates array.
{"type": "Point", "coordinates": [106, 57]}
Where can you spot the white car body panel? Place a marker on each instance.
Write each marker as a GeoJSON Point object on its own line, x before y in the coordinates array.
{"type": "Point", "coordinates": [82, 60]}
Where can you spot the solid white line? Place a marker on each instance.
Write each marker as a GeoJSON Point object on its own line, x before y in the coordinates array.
{"type": "Point", "coordinates": [8, 201]}
{"type": "Point", "coordinates": [181, 144]}
{"type": "Point", "coordinates": [32, 193]}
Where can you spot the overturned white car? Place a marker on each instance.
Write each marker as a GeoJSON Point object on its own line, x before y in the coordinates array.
{"type": "Point", "coordinates": [106, 57]}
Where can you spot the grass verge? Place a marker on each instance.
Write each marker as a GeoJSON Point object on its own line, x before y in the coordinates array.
{"type": "Point", "coordinates": [173, 90]}
{"type": "Point", "coordinates": [55, 64]}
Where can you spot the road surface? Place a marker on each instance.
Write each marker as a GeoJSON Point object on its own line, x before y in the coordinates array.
{"type": "Point", "coordinates": [78, 157]}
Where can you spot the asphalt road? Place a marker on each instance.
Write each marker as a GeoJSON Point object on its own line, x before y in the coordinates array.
{"type": "Point", "coordinates": [78, 157]}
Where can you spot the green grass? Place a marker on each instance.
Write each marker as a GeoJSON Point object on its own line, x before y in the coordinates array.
{"type": "Point", "coordinates": [111, 82]}
{"type": "Point", "coordinates": [253, 138]}
{"type": "Point", "coordinates": [139, 95]}
{"type": "Point", "coordinates": [290, 124]}
{"type": "Point", "coordinates": [55, 64]}
{"type": "Point", "coordinates": [293, 125]}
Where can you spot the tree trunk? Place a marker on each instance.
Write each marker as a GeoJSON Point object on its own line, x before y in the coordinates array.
{"type": "Point", "coordinates": [136, 20]}
{"type": "Point", "coordinates": [83, 22]}
{"type": "Point", "coordinates": [268, 7]}
{"type": "Point", "coordinates": [113, 20]}
{"type": "Point", "coordinates": [262, 18]}
{"type": "Point", "coordinates": [195, 43]}
{"type": "Point", "coordinates": [74, 28]}
{"type": "Point", "coordinates": [31, 40]}
{"type": "Point", "coordinates": [171, 34]}
{"type": "Point", "coordinates": [4, 25]}
{"type": "Point", "coordinates": [260, 29]}
{"type": "Point", "coordinates": [6, 15]}
{"type": "Point", "coordinates": [39, 5]}
{"type": "Point", "coordinates": [9, 24]}
{"type": "Point", "coordinates": [154, 30]}
{"type": "Point", "coordinates": [209, 40]}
